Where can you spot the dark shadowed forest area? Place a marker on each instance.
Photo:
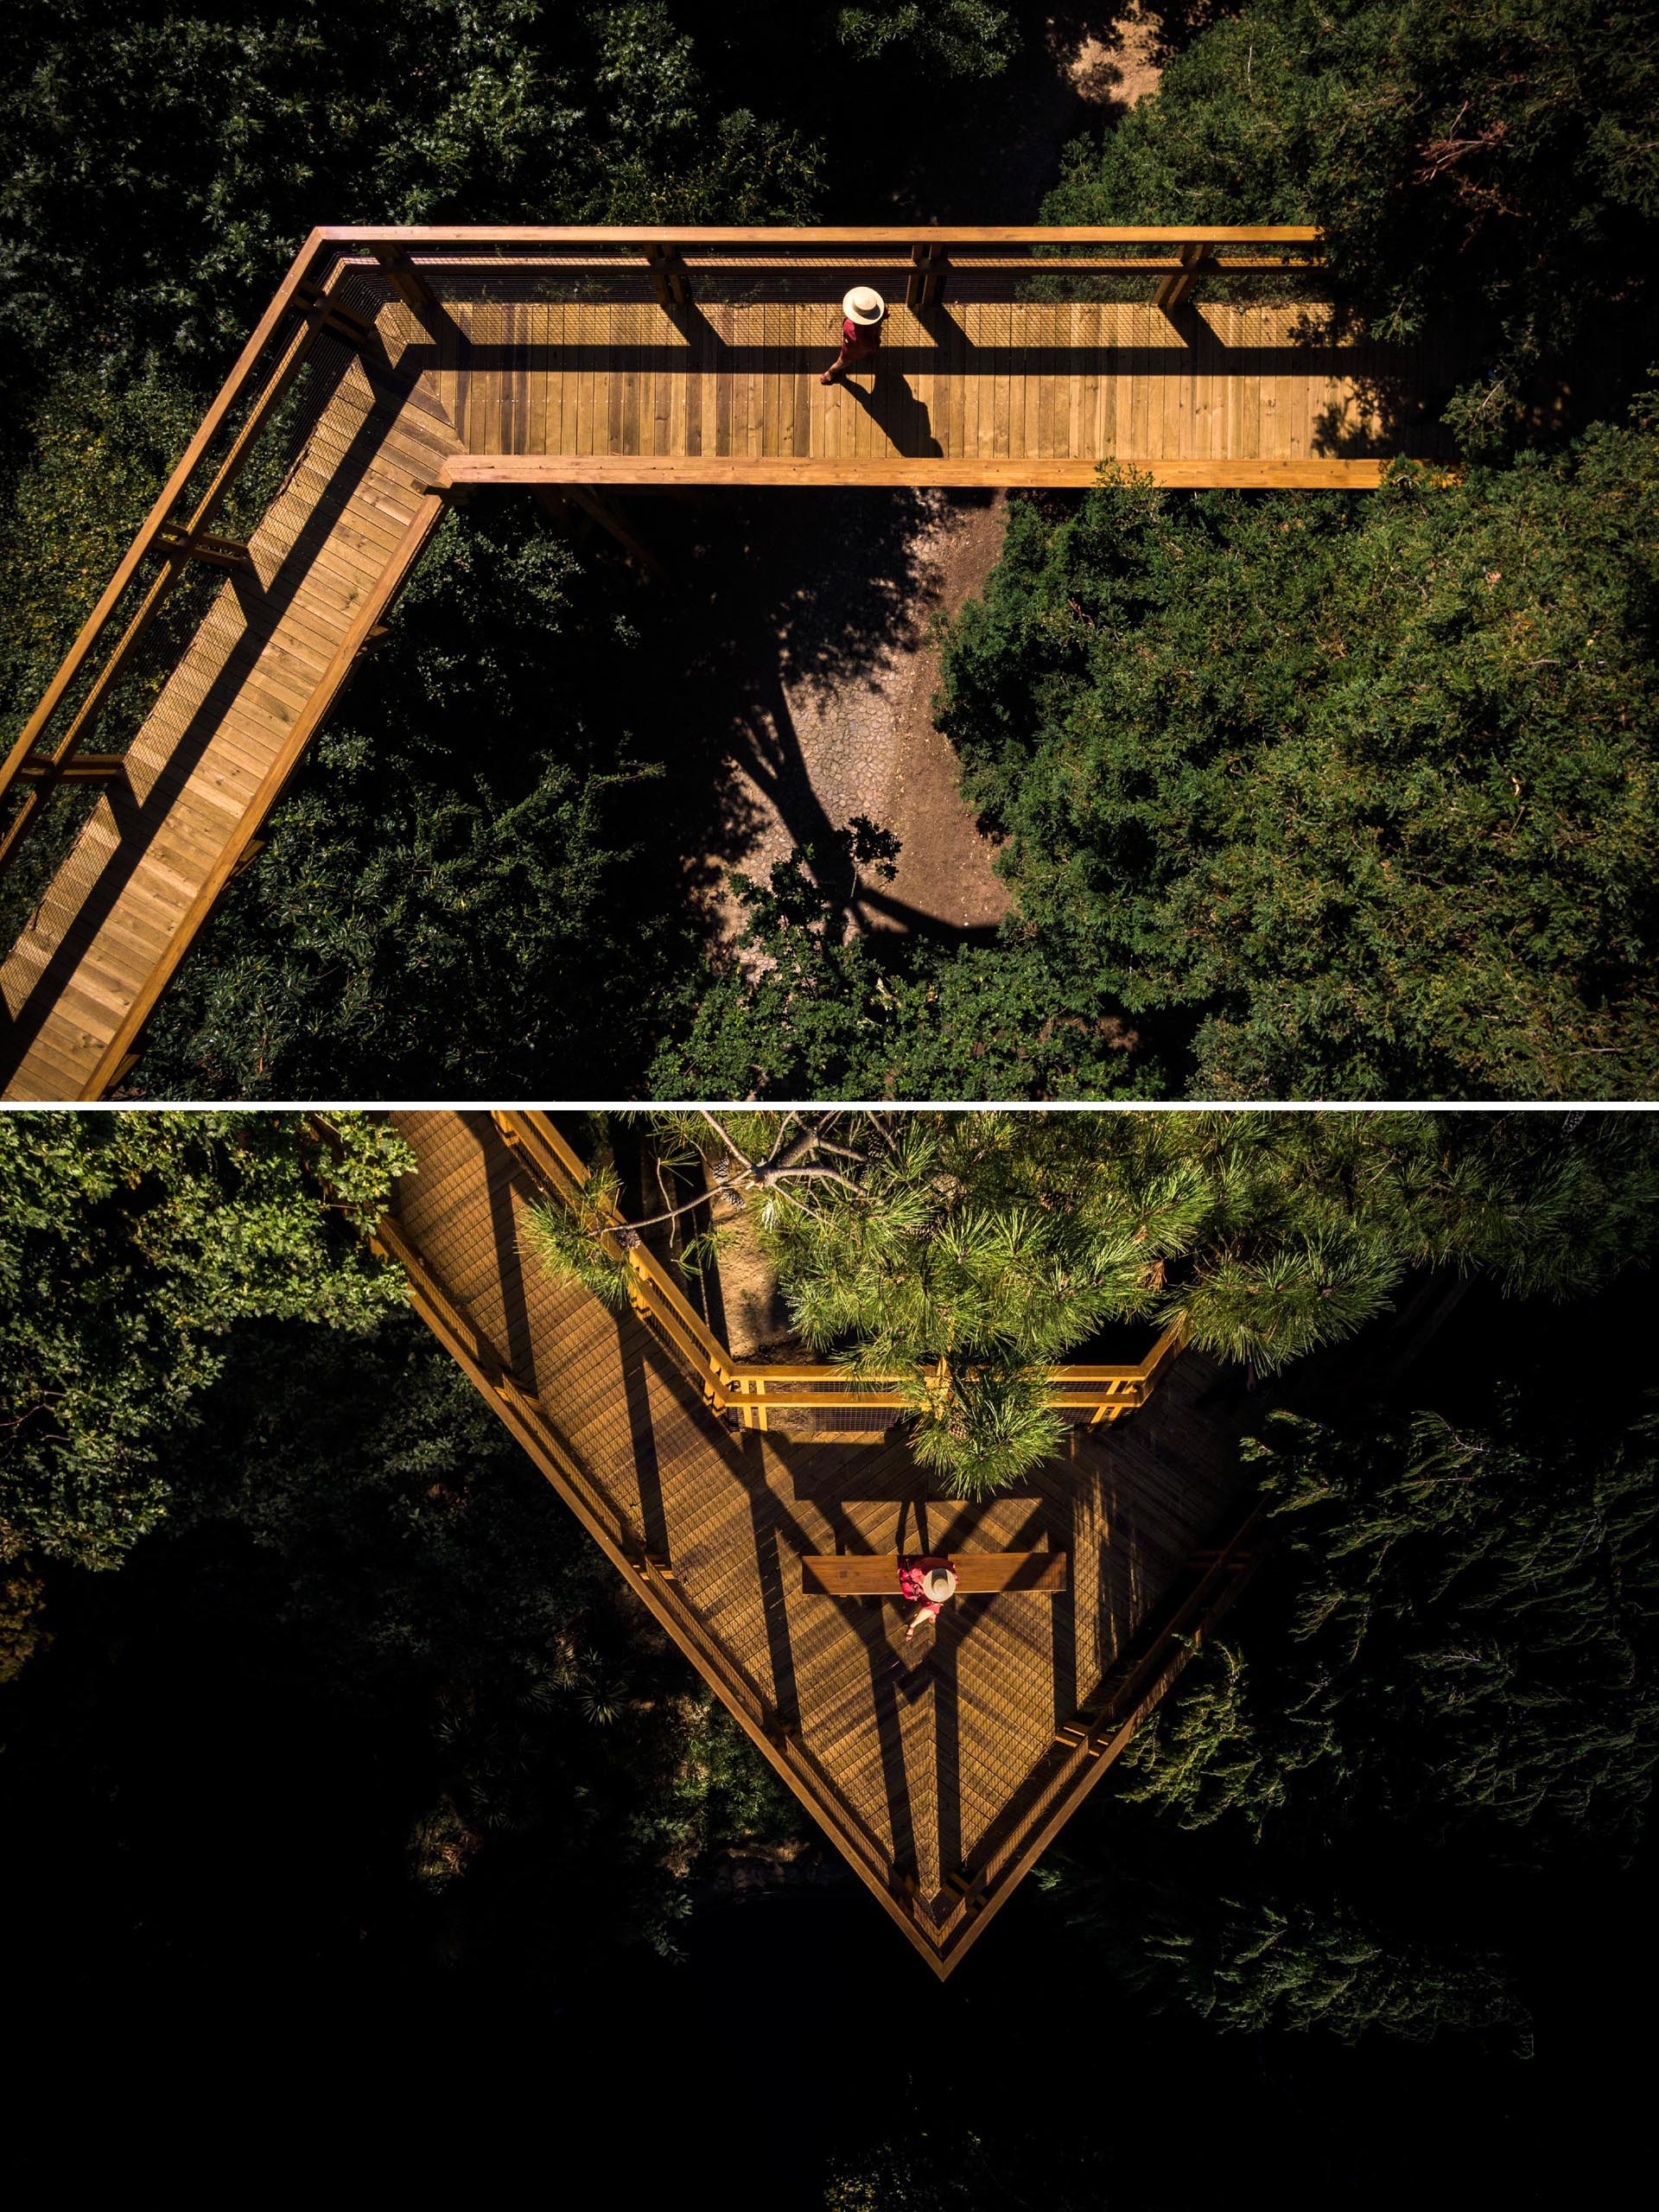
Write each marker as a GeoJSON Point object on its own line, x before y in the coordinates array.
{"type": "Point", "coordinates": [347, 1785]}
{"type": "Point", "coordinates": [1305, 794]}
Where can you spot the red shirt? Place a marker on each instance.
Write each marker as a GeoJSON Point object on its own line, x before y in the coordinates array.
{"type": "Point", "coordinates": [860, 338]}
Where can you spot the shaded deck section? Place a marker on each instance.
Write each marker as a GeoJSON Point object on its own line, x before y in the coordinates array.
{"type": "Point", "coordinates": [940, 1772]}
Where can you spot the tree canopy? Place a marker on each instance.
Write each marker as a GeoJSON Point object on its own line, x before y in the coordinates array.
{"type": "Point", "coordinates": [1490, 162]}
{"type": "Point", "coordinates": [1451, 1662]}
{"type": "Point", "coordinates": [1343, 797]}
{"type": "Point", "coordinates": [131, 1246]}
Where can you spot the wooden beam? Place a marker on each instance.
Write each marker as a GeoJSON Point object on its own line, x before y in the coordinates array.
{"type": "Point", "coordinates": [232, 392]}
{"type": "Point", "coordinates": [576, 236]}
{"type": "Point", "coordinates": [609, 517]}
{"type": "Point", "coordinates": [1087, 1760]}
{"type": "Point", "coordinates": [322, 308]}
{"type": "Point", "coordinates": [385, 590]}
{"type": "Point", "coordinates": [406, 280]}
{"type": "Point", "coordinates": [668, 277]}
{"type": "Point", "coordinates": [592, 472]}
{"type": "Point", "coordinates": [188, 545]}
{"type": "Point", "coordinates": [927, 286]}
{"type": "Point", "coordinates": [80, 768]}
{"type": "Point", "coordinates": [875, 1574]}
{"type": "Point", "coordinates": [523, 1415]}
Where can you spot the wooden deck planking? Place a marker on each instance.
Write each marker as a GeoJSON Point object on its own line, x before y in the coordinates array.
{"type": "Point", "coordinates": [199, 773]}
{"type": "Point", "coordinates": [931, 1758]}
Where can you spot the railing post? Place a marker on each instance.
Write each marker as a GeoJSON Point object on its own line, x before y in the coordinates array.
{"type": "Point", "coordinates": [668, 275]}
{"type": "Point", "coordinates": [407, 280]}
{"type": "Point", "coordinates": [183, 543]}
{"type": "Point", "coordinates": [926, 286]}
{"type": "Point", "coordinates": [1174, 289]}
{"type": "Point", "coordinates": [78, 768]}
{"type": "Point", "coordinates": [326, 313]}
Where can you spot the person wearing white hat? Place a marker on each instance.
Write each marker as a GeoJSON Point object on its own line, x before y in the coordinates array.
{"type": "Point", "coordinates": [928, 1584]}
{"type": "Point", "coordinates": [863, 312]}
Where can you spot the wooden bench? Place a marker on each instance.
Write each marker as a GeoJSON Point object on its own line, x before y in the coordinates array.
{"type": "Point", "coordinates": [875, 1574]}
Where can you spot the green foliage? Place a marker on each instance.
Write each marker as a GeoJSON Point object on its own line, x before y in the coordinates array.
{"type": "Point", "coordinates": [1469, 161]}
{"type": "Point", "coordinates": [575, 1244]}
{"type": "Point", "coordinates": [964, 38]}
{"type": "Point", "coordinates": [1358, 792]}
{"type": "Point", "coordinates": [221, 137]}
{"type": "Point", "coordinates": [416, 1553]}
{"type": "Point", "coordinates": [22, 1620]}
{"type": "Point", "coordinates": [130, 1247]}
{"type": "Point", "coordinates": [1290, 1968]}
{"type": "Point", "coordinates": [99, 453]}
{"type": "Point", "coordinates": [1473, 1634]}
{"type": "Point", "coordinates": [801, 1007]}
{"type": "Point", "coordinates": [1454, 1651]}
{"type": "Point", "coordinates": [357, 1546]}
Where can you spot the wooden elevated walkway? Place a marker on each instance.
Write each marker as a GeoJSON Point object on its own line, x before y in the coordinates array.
{"type": "Point", "coordinates": [940, 1772]}
{"type": "Point", "coordinates": [394, 369]}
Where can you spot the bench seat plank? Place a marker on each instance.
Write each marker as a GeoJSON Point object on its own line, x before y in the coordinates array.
{"type": "Point", "coordinates": [875, 1574]}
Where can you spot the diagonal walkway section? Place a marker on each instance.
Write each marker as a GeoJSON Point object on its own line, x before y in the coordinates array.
{"type": "Point", "coordinates": [233, 716]}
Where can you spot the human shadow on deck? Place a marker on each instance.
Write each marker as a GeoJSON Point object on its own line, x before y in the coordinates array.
{"type": "Point", "coordinates": [653, 1514]}
{"type": "Point", "coordinates": [140, 821]}
{"type": "Point", "coordinates": [897, 412]}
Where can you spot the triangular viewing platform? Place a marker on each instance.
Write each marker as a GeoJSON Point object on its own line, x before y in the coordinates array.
{"type": "Point", "coordinates": [941, 1773]}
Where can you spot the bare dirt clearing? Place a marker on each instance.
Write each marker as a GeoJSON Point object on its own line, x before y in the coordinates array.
{"type": "Point", "coordinates": [830, 736]}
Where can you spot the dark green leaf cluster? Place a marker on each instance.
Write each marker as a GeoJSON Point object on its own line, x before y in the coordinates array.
{"type": "Point", "coordinates": [1359, 792]}
{"type": "Point", "coordinates": [452, 900]}
{"type": "Point", "coordinates": [166, 161]}
{"type": "Point", "coordinates": [1455, 1651]}
{"type": "Point", "coordinates": [131, 1246]}
{"type": "Point", "coordinates": [801, 1007]}
{"type": "Point", "coordinates": [368, 1654]}
{"type": "Point", "coordinates": [1471, 1633]}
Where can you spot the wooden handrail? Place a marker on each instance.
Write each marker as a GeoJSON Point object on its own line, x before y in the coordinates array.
{"type": "Point", "coordinates": [302, 306]}
{"type": "Point", "coordinates": [523, 1415]}
{"type": "Point", "coordinates": [499, 234]}
{"type": "Point", "coordinates": [146, 544]}
{"type": "Point", "coordinates": [1176, 1641]}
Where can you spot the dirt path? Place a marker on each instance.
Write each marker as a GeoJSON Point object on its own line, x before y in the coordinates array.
{"type": "Point", "coordinates": [857, 737]}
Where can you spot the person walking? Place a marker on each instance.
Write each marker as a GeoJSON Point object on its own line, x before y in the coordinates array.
{"type": "Point", "coordinates": [863, 312]}
{"type": "Point", "coordinates": [928, 1584]}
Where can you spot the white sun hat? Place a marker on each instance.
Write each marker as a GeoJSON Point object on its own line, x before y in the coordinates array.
{"type": "Point", "coordinates": [862, 305]}
{"type": "Point", "coordinates": [940, 1583]}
